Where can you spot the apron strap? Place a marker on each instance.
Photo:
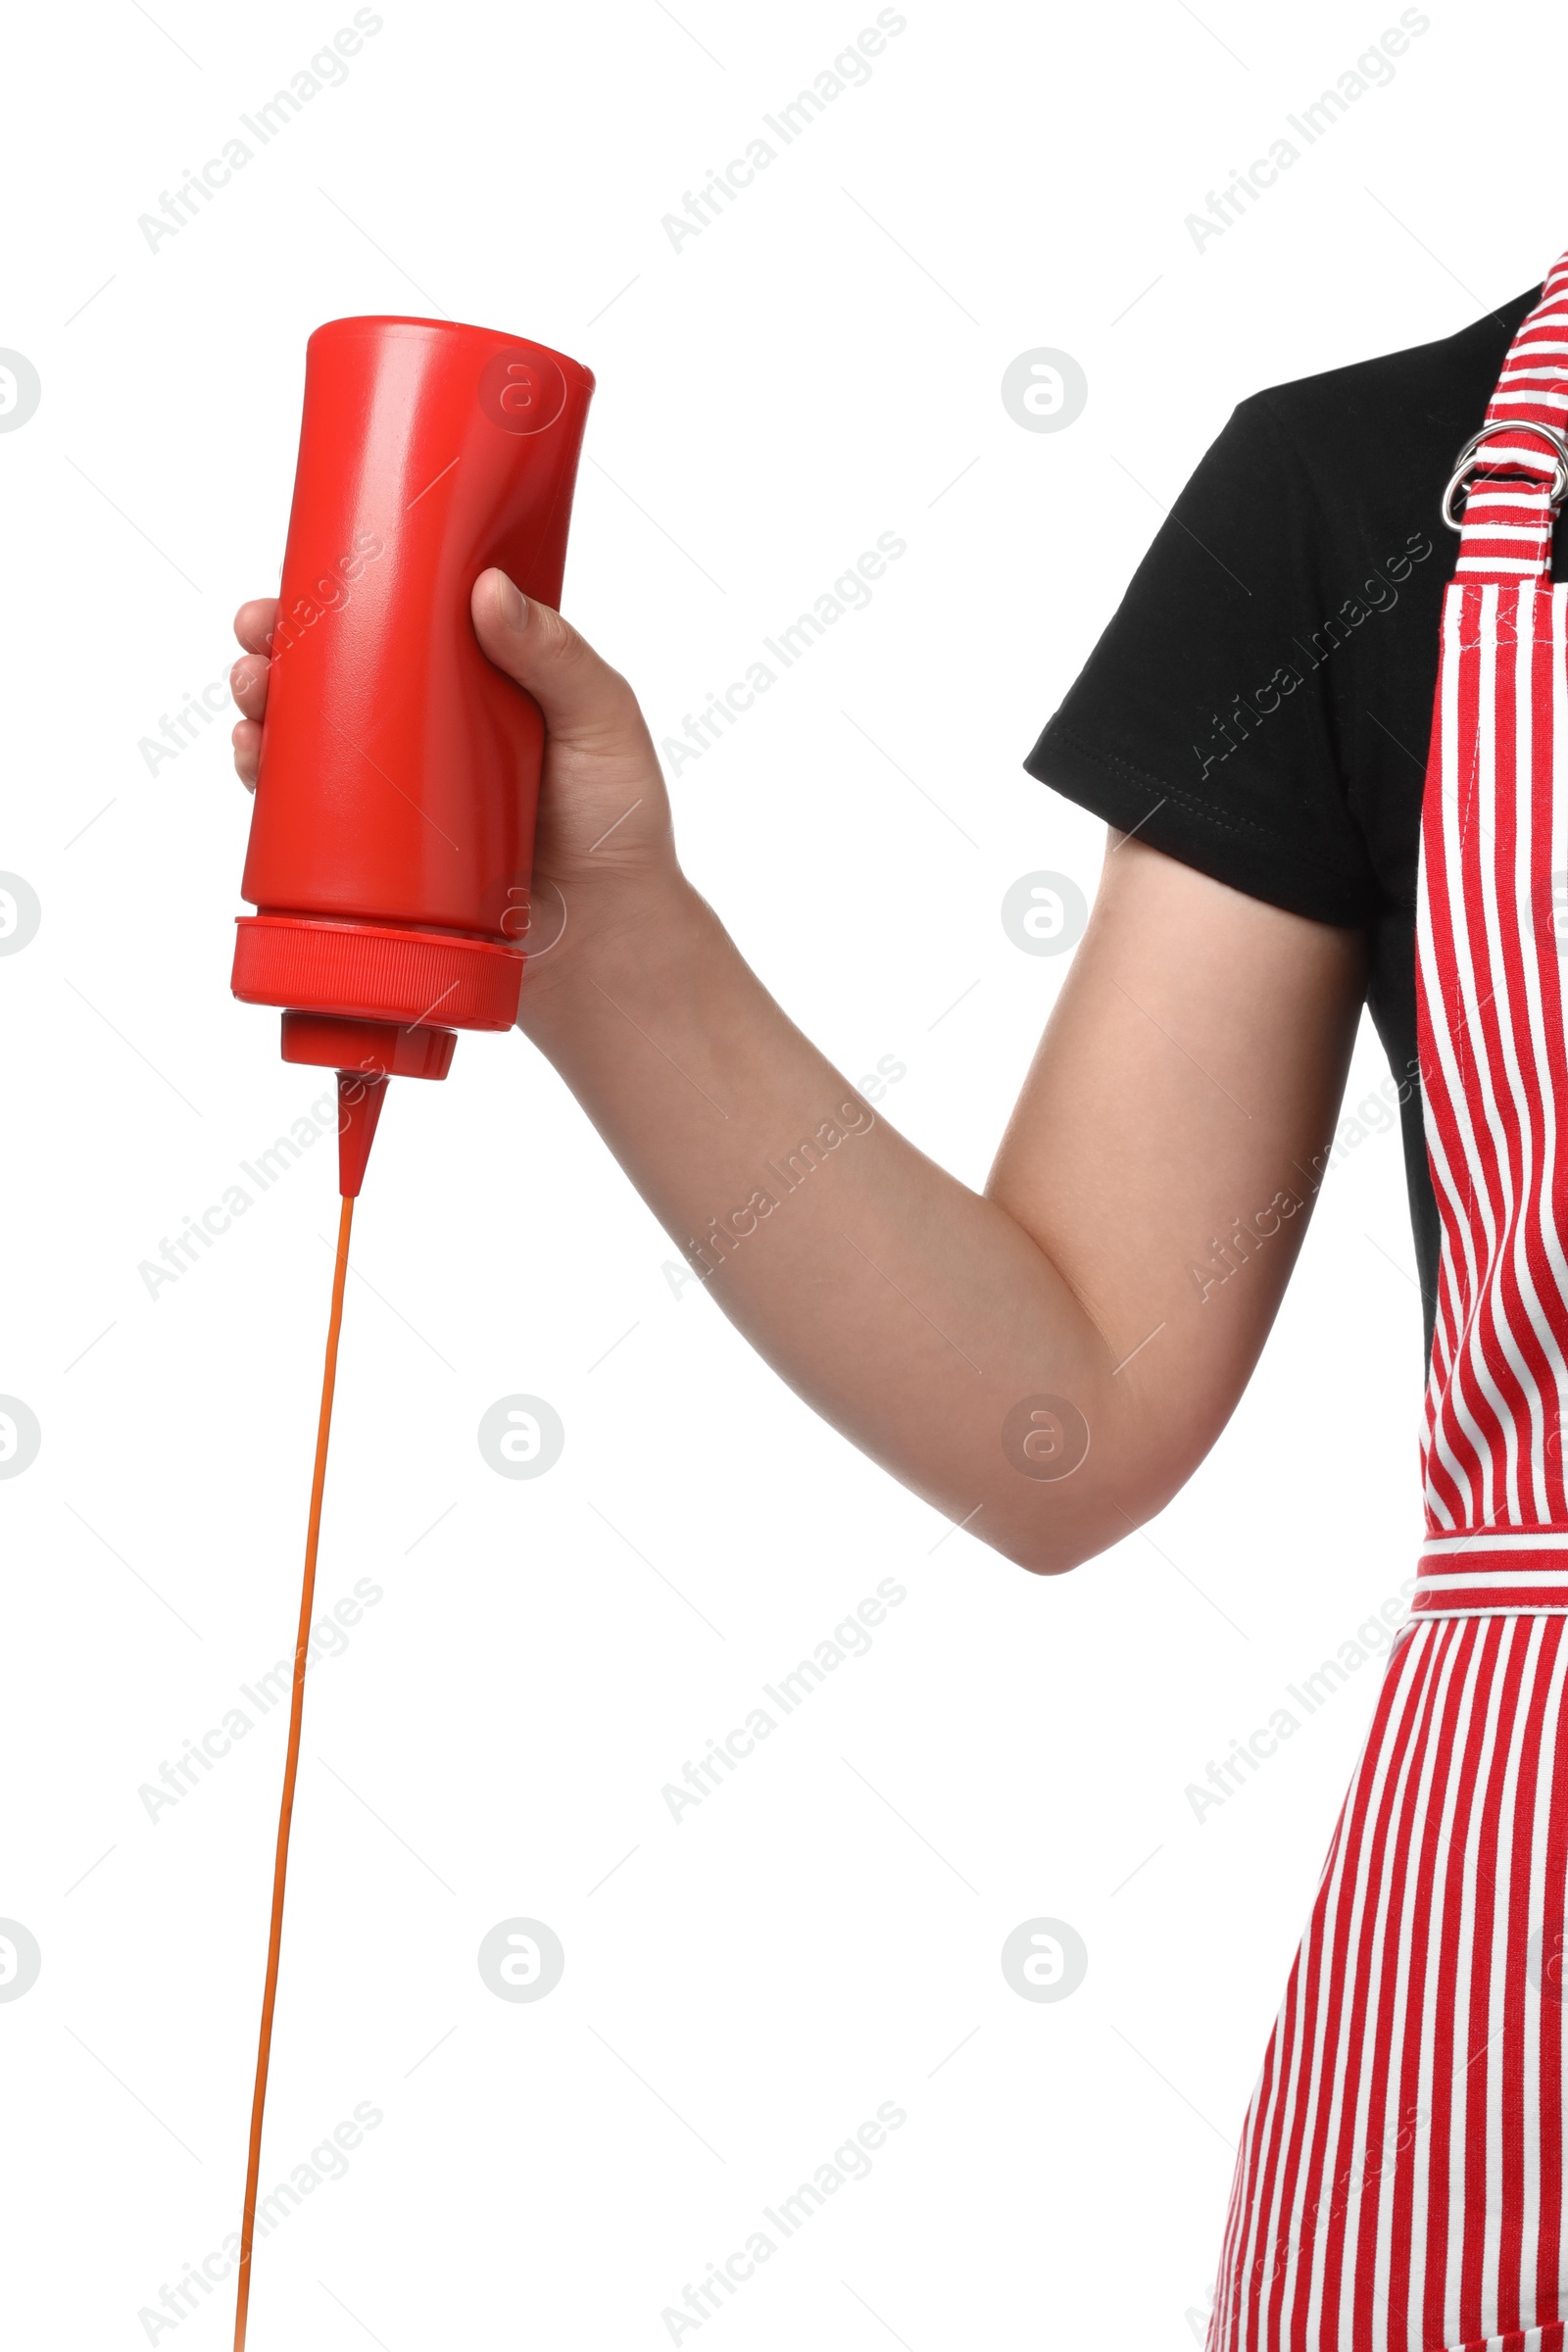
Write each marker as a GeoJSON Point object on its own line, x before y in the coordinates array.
{"type": "Point", "coordinates": [1515, 468]}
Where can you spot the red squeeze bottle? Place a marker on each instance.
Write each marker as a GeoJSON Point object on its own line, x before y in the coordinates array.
{"type": "Point", "coordinates": [391, 843]}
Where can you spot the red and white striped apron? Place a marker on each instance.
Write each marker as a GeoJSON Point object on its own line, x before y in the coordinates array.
{"type": "Point", "coordinates": [1399, 2181]}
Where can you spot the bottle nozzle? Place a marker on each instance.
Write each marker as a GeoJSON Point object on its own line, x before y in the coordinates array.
{"type": "Point", "coordinates": [359, 1108]}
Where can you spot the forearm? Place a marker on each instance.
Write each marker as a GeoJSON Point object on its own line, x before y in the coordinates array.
{"type": "Point", "coordinates": [908, 1309]}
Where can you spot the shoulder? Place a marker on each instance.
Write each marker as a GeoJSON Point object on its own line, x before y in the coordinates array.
{"type": "Point", "coordinates": [1399, 419]}
{"type": "Point", "coordinates": [1251, 707]}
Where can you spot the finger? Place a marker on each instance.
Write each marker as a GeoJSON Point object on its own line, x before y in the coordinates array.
{"type": "Point", "coordinates": [252, 623]}
{"type": "Point", "coordinates": [247, 683]}
{"type": "Point", "coordinates": [247, 742]}
{"type": "Point", "coordinates": [584, 701]}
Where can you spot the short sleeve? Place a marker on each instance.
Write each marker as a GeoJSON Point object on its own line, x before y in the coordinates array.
{"type": "Point", "coordinates": [1200, 720]}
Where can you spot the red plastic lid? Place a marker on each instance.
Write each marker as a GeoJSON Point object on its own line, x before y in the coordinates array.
{"type": "Point", "coordinates": [375, 972]}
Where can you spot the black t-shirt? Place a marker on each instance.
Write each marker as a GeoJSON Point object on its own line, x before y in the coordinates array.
{"type": "Point", "coordinates": [1261, 702]}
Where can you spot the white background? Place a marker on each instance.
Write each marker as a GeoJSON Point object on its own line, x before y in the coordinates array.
{"type": "Point", "coordinates": [822, 1936]}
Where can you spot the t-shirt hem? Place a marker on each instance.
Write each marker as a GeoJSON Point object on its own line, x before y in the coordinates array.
{"type": "Point", "coordinates": [1248, 857]}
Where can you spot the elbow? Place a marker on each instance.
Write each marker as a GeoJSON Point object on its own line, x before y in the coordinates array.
{"type": "Point", "coordinates": [1052, 1545]}
{"type": "Point", "coordinates": [1064, 1522]}
{"type": "Point", "coordinates": [1045, 1552]}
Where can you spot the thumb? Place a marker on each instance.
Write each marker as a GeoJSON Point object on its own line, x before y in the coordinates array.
{"type": "Point", "coordinates": [585, 703]}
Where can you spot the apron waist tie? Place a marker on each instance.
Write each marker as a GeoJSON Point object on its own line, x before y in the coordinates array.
{"type": "Point", "coordinates": [1494, 1575]}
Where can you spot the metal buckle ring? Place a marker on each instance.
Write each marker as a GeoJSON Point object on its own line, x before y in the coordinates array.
{"type": "Point", "coordinates": [1499, 424]}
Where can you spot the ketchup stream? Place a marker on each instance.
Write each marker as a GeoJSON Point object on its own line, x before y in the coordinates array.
{"type": "Point", "coordinates": [291, 1769]}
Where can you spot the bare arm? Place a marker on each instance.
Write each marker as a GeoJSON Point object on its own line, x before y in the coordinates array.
{"type": "Point", "coordinates": [1039, 1361]}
